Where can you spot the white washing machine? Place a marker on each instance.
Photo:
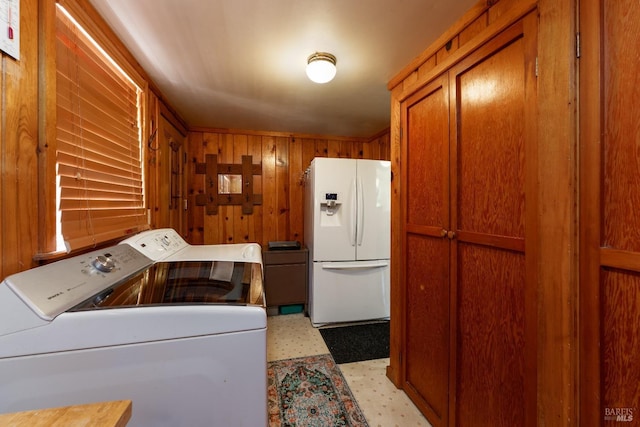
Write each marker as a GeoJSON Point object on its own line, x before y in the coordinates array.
{"type": "Point", "coordinates": [178, 329]}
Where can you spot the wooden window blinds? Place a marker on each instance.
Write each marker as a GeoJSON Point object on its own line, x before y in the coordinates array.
{"type": "Point", "coordinates": [99, 156]}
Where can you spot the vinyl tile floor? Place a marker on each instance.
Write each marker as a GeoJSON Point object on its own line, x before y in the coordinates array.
{"type": "Point", "coordinates": [383, 405]}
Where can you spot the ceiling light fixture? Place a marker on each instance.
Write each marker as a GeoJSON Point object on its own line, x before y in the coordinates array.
{"type": "Point", "coordinates": [321, 67]}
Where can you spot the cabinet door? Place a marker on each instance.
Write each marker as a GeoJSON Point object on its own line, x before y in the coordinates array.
{"type": "Point", "coordinates": [493, 301]}
{"type": "Point", "coordinates": [426, 268]}
{"type": "Point", "coordinates": [610, 224]}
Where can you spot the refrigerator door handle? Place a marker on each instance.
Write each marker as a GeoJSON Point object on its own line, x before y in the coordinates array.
{"type": "Point", "coordinates": [354, 265]}
{"type": "Point", "coordinates": [360, 223]}
{"type": "Point", "coordinates": [353, 219]}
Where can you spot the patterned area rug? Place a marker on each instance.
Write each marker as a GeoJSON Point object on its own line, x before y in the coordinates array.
{"type": "Point", "coordinates": [310, 392]}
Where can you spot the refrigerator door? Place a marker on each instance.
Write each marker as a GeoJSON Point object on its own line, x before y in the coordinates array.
{"type": "Point", "coordinates": [334, 209]}
{"type": "Point", "coordinates": [373, 234]}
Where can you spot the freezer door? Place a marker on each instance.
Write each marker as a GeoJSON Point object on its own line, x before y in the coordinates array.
{"type": "Point", "coordinates": [334, 209]}
{"type": "Point", "coordinates": [349, 291]}
{"type": "Point", "coordinates": [373, 232]}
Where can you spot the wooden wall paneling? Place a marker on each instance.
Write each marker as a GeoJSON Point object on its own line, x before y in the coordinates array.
{"type": "Point", "coordinates": [556, 211]}
{"type": "Point", "coordinates": [225, 213]}
{"type": "Point", "coordinates": [195, 214]}
{"type": "Point", "coordinates": [212, 229]}
{"type": "Point", "coordinates": [255, 220]}
{"type": "Point", "coordinates": [333, 148]}
{"type": "Point", "coordinates": [240, 220]}
{"type": "Point", "coordinates": [162, 173]}
{"type": "Point", "coordinates": [46, 129]}
{"type": "Point", "coordinates": [282, 189]}
{"type": "Point", "coordinates": [367, 151]}
{"type": "Point", "coordinates": [358, 150]}
{"type": "Point", "coordinates": [371, 150]}
{"type": "Point", "coordinates": [322, 148]}
{"type": "Point", "coordinates": [346, 150]}
{"type": "Point", "coordinates": [152, 160]}
{"type": "Point", "coordinates": [172, 179]}
{"type": "Point", "coordinates": [308, 152]}
{"type": "Point", "coordinates": [285, 159]}
{"type": "Point", "coordinates": [296, 190]}
{"type": "Point", "coordinates": [269, 189]}
{"type": "Point", "coordinates": [19, 139]}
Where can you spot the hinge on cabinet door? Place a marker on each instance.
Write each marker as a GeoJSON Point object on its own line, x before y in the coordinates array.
{"type": "Point", "coordinates": [536, 66]}
{"type": "Point", "coordinates": [577, 45]}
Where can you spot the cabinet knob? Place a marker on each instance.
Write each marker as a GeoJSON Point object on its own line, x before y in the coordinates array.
{"type": "Point", "coordinates": [451, 234]}
{"type": "Point", "coordinates": [443, 233]}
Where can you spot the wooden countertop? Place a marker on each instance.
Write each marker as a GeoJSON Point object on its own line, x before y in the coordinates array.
{"type": "Point", "coordinates": [102, 414]}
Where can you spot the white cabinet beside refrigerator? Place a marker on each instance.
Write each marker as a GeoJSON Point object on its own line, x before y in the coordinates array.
{"type": "Point", "coordinates": [347, 231]}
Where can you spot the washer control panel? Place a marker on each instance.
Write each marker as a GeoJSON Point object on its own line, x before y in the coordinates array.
{"type": "Point", "coordinates": [157, 244]}
{"type": "Point", "coordinates": [52, 289]}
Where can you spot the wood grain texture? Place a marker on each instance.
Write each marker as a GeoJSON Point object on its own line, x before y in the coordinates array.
{"type": "Point", "coordinates": [427, 156]}
{"type": "Point", "coordinates": [490, 144]}
{"type": "Point", "coordinates": [426, 349]}
{"type": "Point", "coordinates": [46, 130]}
{"type": "Point", "coordinates": [620, 340]}
{"type": "Point", "coordinates": [556, 232]}
{"type": "Point", "coordinates": [395, 369]}
{"type": "Point", "coordinates": [19, 143]}
{"type": "Point", "coordinates": [488, 131]}
{"type": "Point", "coordinates": [225, 215]}
{"type": "Point", "coordinates": [284, 160]}
{"type": "Point", "coordinates": [590, 173]}
{"type": "Point", "coordinates": [195, 186]}
{"type": "Point", "coordinates": [610, 279]}
{"type": "Point", "coordinates": [490, 346]}
{"type": "Point", "coordinates": [621, 192]}
{"type": "Point", "coordinates": [431, 50]}
{"type": "Point", "coordinates": [241, 221]}
{"type": "Point", "coordinates": [100, 414]}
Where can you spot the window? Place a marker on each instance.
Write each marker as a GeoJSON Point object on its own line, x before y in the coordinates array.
{"type": "Point", "coordinates": [99, 167]}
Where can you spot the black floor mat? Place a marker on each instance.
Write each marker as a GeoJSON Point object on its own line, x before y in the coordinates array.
{"type": "Point", "coordinates": [356, 343]}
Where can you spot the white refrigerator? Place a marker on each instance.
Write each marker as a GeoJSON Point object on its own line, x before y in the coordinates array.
{"type": "Point", "coordinates": [348, 233]}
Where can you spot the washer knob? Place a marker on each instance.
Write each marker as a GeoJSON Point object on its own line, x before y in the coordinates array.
{"type": "Point", "coordinates": [103, 263]}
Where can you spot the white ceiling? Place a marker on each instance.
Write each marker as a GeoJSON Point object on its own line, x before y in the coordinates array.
{"type": "Point", "coordinates": [240, 64]}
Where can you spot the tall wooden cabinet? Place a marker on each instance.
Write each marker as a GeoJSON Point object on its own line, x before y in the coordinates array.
{"type": "Point", "coordinates": [468, 152]}
{"type": "Point", "coordinates": [610, 224]}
